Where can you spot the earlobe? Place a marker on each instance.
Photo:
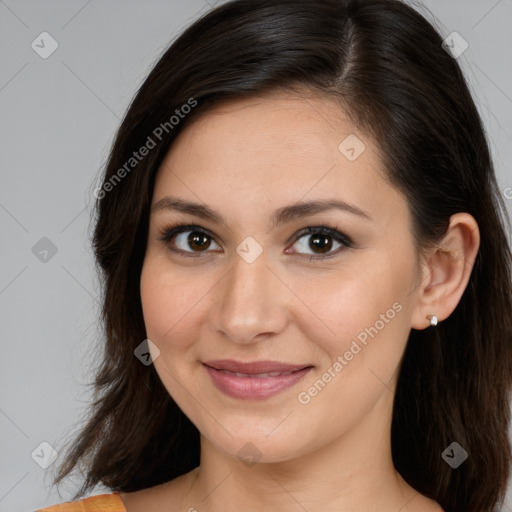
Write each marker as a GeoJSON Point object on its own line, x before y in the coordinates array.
{"type": "Point", "coordinates": [446, 272]}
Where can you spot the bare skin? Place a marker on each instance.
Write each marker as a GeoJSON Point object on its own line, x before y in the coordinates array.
{"type": "Point", "coordinates": [180, 493]}
{"type": "Point", "coordinates": [327, 450]}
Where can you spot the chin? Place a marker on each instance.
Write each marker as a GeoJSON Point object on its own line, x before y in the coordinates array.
{"type": "Point", "coordinates": [251, 445]}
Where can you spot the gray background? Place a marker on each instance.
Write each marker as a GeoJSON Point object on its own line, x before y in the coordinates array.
{"type": "Point", "coordinates": [58, 118]}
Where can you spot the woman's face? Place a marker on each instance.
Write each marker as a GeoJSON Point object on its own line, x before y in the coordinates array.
{"type": "Point", "coordinates": [256, 287]}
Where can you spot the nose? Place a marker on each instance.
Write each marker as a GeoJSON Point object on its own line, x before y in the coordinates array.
{"type": "Point", "coordinates": [250, 302]}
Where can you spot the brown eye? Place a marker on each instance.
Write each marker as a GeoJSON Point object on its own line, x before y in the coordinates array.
{"type": "Point", "coordinates": [187, 240]}
{"type": "Point", "coordinates": [198, 241]}
{"type": "Point", "coordinates": [320, 243]}
{"type": "Point", "coordinates": [192, 241]}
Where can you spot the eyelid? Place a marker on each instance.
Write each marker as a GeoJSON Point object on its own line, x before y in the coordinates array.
{"type": "Point", "coordinates": [168, 232]}
{"type": "Point", "coordinates": [324, 229]}
{"type": "Point", "coordinates": [345, 241]}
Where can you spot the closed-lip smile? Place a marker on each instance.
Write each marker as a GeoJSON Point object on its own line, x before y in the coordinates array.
{"type": "Point", "coordinates": [254, 380]}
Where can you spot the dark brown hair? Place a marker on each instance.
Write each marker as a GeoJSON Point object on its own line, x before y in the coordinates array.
{"type": "Point", "coordinates": [385, 64]}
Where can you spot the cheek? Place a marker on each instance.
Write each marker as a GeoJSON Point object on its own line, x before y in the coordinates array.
{"type": "Point", "coordinates": [171, 308]}
{"type": "Point", "coordinates": [366, 307]}
{"type": "Point", "coordinates": [361, 301]}
{"type": "Point", "coordinates": [170, 303]}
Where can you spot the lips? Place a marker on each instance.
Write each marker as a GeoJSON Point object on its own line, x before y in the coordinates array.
{"type": "Point", "coordinates": [255, 380]}
{"type": "Point", "coordinates": [255, 368]}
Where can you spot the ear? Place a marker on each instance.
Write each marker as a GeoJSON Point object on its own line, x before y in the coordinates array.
{"type": "Point", "coordinates": [446, 270]}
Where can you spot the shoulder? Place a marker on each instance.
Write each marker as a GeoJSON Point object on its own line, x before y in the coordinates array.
{"type": "Point", "coordinates": [111, 502]}
{"type": "Point", "coordinates": [168, 496]}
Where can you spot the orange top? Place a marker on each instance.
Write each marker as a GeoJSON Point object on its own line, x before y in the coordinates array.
{"type": "Point", "coordinates": [101, 503]}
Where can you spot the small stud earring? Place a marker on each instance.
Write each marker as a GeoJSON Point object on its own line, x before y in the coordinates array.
{"type": "Point", "coordinates": [432, 319]}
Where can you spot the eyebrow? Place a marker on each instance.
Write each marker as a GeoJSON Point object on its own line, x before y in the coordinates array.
{"type": "Point", "coordinates": [280, 216]}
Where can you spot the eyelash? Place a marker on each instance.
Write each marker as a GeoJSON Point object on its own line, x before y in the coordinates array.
{"type": "Point", "coordinates": [168, 232]}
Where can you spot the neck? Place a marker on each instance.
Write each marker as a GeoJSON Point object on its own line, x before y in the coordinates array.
{"type": "Point", "coordinates": [354, 472]}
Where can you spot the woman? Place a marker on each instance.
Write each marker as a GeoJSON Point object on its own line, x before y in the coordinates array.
{"type": "Point", "coordinates": [307, 277]}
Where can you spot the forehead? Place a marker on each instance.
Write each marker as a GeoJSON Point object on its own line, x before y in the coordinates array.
{"type": "Point", "coordinates": [277, 127]}
{"type": "Point", "coordinates": [275, 150]}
